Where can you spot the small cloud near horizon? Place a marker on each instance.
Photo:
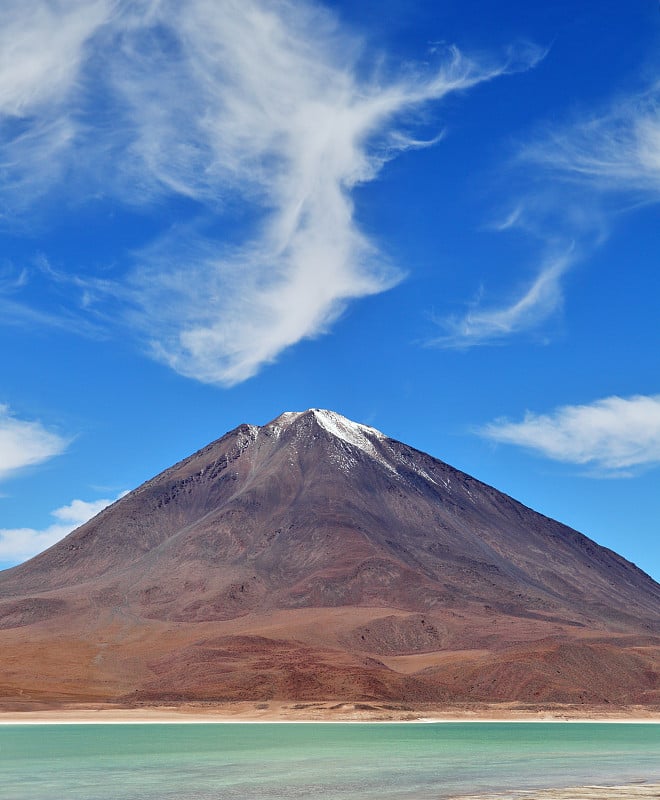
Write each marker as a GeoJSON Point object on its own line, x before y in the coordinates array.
{"type": "Point", "coordinates": [19, 544]}
{"type": "Point", "coordinates": [615, 436]}
{"type": "Point", "coordinates": [25, 443]}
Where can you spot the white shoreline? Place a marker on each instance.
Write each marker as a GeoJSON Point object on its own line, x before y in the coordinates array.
{"type": "Point", "coordinates": [627, 791]}
{"type": "Point", "coordinates": [208, 719]}
{"type": "Point", "coordinates": [318, 712]}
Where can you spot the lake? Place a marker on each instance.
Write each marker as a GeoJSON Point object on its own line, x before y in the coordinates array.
{"type": "Point", "coordinates": [319, 760]}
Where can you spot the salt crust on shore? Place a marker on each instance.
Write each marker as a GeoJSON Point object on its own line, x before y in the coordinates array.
{"type": "Point", "coordinates": [280, 712]}
{"type": "Point", "coordinates": [310, 712]}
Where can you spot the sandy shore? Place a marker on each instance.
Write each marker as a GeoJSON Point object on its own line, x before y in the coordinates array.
{"type": "Point", "coordinates": [631, 792]}
{"type": "Point", "coordinates": [279, 711]}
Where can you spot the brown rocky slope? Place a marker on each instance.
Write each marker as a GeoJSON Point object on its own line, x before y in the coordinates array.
{"type": "Point", "coordinates": [314, 558]}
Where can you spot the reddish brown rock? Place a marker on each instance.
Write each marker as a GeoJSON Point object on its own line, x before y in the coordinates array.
{"type": "Point", "coordinates": [315, 558]}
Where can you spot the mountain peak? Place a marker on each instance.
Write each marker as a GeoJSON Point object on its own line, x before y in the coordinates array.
{"type": "Point", "coordinates": [352, 433]}
{"type": "Point", "coordinates": [314, 558]}
{"type": "Point", "coordinates": [331, 421]}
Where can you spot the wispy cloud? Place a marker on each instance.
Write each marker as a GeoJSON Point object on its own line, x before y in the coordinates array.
{"type": "Point", "coordinates": [577, 178]}
{"type": "Point", "coordinates": [280, 114]}
{"type": "Point", "coordinates": [617, 151]}
{"type": "Point", "coordinates": [43, 46]}
{"type": "Point", "coordinates": [265, 116]}
{"type": "Point", "coordinates": [19, 544]}
{"type": "Point", "coordinates": [25, 443]}
{"type": "Point", "coordinates": [613, 435]}
{"type": "Point", "coordinates": [492, 325]}
{"type": "Point", "coordinates": [41, 49]}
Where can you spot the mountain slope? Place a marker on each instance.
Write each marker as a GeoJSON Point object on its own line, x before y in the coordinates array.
{"type": "Point", "coordinates": [315, 557]}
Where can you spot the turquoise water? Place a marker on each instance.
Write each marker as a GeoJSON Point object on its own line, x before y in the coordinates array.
{"type": "Point", "coordinates": [330, 761]}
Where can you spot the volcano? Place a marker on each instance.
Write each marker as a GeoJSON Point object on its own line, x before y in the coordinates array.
{"type": "Point", "coordinates": [314, 558]}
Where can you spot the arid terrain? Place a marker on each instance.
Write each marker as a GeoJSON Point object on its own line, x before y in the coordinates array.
{"type": "Point", "coordinates": [315, 560]}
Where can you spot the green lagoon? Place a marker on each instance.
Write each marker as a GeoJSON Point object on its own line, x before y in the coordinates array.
{"type": "Point", "coordinates": [331, 761]}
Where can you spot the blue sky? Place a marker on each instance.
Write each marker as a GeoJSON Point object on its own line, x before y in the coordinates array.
{"type": "Point", "coordinates": [437, 218]}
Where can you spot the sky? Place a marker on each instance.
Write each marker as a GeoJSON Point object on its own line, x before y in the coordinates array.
{"type": "Point", "coordinates": [436, 217]}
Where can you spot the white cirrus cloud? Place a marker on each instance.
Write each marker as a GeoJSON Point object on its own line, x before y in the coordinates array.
{"type": "Point", "coordinates": [41, 50]}
{"type": "Point", "coordinates": [264, 117]}
{"type": "Point", "coordinates": [492, 325]}
{"type": "Point", "coordinates": [577, 179]}
{"type": "Point", "coordinates": [25, 443]}
{"type": "Point", "coordinates": [278, 114]}
{"type": "Point", "coordinates": [43, 47]}
{"type": "Point", "coordinates": [19, 544]}
{"type": "Point", "coordinates": [614, 434]}
{"type": "Point", "coordinates": [615, 151]}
